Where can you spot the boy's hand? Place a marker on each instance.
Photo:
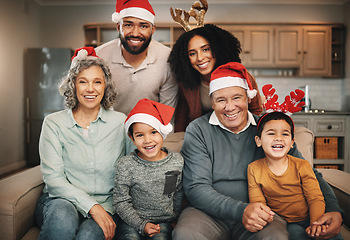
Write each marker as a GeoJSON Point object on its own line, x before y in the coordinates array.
{"type": "Point", "coordinates": [315, 229]}
{"type": "Point", "coordinates": [333, 221]}
{"type": "Point", "coordinates": [151, 229]}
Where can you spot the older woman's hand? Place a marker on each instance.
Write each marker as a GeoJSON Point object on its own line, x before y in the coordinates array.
{"type": "Point", "coordinates": [104, 220]}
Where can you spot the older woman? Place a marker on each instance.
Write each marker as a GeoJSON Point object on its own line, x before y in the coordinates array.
{"type": "Point", "coordinates": [196, 54]}
{"type": "Point", "coordinates": [79, 148]}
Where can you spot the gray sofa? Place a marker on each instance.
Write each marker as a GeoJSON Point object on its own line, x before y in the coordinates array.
{"type": "Point", "coordinates": [19, 192]}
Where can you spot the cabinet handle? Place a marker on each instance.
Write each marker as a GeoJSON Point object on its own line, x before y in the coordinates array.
{"type": "Point", "coordinates": [304, 52]}
{"type": "Point", "coordinates": [329, 127]}
{"type": "Point", "coordinates": [299, 52]}
{"type": "Point", "coordinates": [247, 52]}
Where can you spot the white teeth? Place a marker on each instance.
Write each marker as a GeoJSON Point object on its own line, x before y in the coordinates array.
{"type": "Point", "coordinates": [90, 97]}
{"type": "Point", "coordinates": [277, 146]}
{"type": "Point", "coordinates": [135, 41]}
{"type": "Point", "coordinates": [149, 148]}
{"type": "Point", "coordinates": [203, 65]}
{"type": "Point", "coordinates": [231, 115]}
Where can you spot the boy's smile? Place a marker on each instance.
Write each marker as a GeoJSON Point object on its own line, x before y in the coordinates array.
{"type": "Point", "coordinates": [148, 141]}
{"type": "Point", "coordinates": [276, 139]}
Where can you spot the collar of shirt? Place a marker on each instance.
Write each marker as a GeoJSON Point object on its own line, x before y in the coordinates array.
{"type": "Point", "coordinates": [101, 115]}
{"type": "Point", "coordinates": [151, 54]}
{"type": "Point", "coordinates": [213, 120]}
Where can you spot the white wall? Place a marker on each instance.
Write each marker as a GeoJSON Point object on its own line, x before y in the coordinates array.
{"type": "Point", "coordinates": [60, 26]}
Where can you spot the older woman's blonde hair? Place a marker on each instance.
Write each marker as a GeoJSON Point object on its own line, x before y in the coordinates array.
{"type": "Point", "coordinates": [68, 90]}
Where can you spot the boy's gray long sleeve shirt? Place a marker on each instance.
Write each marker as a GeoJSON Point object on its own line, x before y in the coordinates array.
{"type": "Point", "coordinates": [147, 191]}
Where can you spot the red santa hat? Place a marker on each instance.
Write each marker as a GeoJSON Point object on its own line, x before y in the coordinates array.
{"type": "Point", "coordinates": [231, 74]}
{"type": "Point", "coordinates": [155, 114]}
{"type": "Point", "coordinates": [84, 53]}
{"type": "Point", "coordinates": [133, 8]}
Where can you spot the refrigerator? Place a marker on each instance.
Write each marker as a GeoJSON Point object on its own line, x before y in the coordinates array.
{"type": "Point", "coordinates": [44, 69]}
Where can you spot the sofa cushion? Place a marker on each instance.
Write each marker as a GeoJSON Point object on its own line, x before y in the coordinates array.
{"type": "Point", "coordinates": [19, 194]}
{"type": "Point", "coordinates": [174, 141]}
{"type": "Point", "coordinates": [304, 139]}
{"type": "Point", "coordinates": [339, 181]}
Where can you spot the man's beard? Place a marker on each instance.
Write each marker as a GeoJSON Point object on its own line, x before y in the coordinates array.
{"type": "Point", "coordinates": [134, 50]}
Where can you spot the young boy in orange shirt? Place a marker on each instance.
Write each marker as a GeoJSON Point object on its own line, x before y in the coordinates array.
{"type": "Point", "coordinates": [284, 183]}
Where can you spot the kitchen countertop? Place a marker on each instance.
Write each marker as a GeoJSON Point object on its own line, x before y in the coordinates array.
{"type": "Point", "coordinates": [322, 112]}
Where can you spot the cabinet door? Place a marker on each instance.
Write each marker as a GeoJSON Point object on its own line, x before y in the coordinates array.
{"type": "Point", "coordinates": [259, 46]}
{"type": "Point", "coordinates": [241, 35]}
{"type": "Point", "coordinates": [256, 43]}
{"type": "Point", "coordinates": [288, 46]}
{"type": "Point", "coordinates": [317, 51]}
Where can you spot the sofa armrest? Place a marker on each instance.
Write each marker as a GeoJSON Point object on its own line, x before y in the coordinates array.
{"type": "Point", "coordinates": [18, 195]}
{"type": "Point", "coordinates": [339, 181]}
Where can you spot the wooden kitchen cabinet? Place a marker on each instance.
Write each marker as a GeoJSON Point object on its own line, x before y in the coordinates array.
{"type": "Point", "coordinates": [300, 50]}
{"type": "Point", "coordinates": [256, 43]}
{"type": "Point", "coordinates": [316, 51]}
{"type": "Point", "coordinates": [99, 33]}
{"type": "Point", "coordinates": [331, 128]}
{"type": "Point", "coordinates": [288, 46]}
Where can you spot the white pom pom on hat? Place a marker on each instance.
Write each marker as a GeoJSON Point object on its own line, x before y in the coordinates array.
{"type": "Point", "coordinates": [231, 74]}
{"type": "Point", "coordinates": [82, 54]}
{"type": "Point", "coordinates": [133, 8]}
{"type": "Point", "coordinates": [155, 114]}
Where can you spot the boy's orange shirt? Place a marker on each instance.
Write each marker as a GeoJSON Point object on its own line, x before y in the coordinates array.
{"type": "Point", "coordinates": [295, 195]}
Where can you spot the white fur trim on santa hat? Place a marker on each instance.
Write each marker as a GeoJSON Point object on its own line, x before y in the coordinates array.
{"type": "Point", "coordinates": [164, 130]}
{"type": "Point", "coordinates": [225, 82]}
{"type": "Point", "coordinates": [133, 12]}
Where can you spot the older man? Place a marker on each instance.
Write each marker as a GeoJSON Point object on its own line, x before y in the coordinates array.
{"type": "Point", "coordinates": [138, 64]}
{"type": "Point", "coordinates": [217, 150]}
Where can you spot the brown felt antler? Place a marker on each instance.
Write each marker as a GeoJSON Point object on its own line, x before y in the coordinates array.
{"type": "Point", "coordinates": [177, 17]}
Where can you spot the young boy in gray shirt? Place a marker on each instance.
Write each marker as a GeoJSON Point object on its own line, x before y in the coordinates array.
{"type": "Point", "coordinates": [148, 185]}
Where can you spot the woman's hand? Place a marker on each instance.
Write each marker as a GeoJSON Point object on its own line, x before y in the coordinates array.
{"type": "Point", "coordinates": [151, 229]}
{"type": "Point", "coordinates": [104, 220]}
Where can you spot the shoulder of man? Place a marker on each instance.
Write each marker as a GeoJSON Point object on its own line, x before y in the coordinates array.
{"type": "Point", "coordinates": [159, 47]}
{"type": "Point", "coordinates": [106, 46]}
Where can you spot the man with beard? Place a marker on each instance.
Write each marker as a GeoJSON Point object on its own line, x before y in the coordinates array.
{"type": "Point", "coordinates": [138, 64]}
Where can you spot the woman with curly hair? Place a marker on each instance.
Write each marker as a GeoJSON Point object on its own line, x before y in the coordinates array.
{"type": "Point", "coordinates": [79, 148]}
{"type": "Point", "coordinates": [195, 55]}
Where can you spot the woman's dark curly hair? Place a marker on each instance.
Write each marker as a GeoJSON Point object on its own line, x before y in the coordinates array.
{"type": "Point", "coordinates": [224, 46]}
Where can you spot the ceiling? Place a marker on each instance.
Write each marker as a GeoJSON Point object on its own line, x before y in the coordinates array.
{"type": "Point", "coordinates": [166, 2]}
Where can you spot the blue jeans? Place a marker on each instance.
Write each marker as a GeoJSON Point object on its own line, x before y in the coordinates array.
{"type": "Point", "coordinates": [59, 219]}
{"type": "Point", "coordinates": [126, 232]}
{"type": "Point", "coordinates": [297, 231]}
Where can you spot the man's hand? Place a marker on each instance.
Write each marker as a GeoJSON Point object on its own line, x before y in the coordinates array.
{"type": "Point", "coordinates": [330, 223]}
{"type": "Point", "coordinates": [151, 229]}
{"type": "Point", "coordinates": [104, 220]}
{"type": "Point", "coordinates": [256, 216]}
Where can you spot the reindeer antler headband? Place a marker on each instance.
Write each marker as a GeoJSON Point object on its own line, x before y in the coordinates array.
{"type": "Point", "coordinates": [290, 105]}
{"type": "Point", "coordinates": [191, 13]}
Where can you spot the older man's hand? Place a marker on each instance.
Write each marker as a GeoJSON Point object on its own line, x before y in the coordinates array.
{"type": "Point", "coordinates": [332, 221]}
{"type": "Point", "coordinates": [256, 216]}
